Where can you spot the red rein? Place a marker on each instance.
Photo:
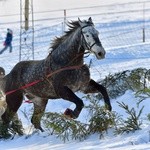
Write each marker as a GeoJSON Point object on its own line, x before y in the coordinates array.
{"type": "Point", "coordinates": [37, 81]}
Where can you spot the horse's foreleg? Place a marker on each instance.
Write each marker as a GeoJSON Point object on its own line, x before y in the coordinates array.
{"type": "Point", "coordinates": [39, 108]}
{"type": "Point", "coordinates": [67, 94]}
{"type": "Point", "coordinates": [94, 87]}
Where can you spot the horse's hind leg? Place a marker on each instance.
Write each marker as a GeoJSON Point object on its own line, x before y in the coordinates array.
{"type": "Point", "coordinates": [39, 108]}
{"type": "Point", "coordinates": [14, 101]}
{"type": "Point", "coordinates": [67, 94]}
{"type": "Point", "coordinates": [94, 87]}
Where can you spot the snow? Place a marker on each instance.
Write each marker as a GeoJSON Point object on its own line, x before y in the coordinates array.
{"type": "Point", "coordinates": [121, 36]}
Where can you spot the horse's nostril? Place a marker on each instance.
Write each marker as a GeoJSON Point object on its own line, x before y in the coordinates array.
{"type": "Point", "coordinates": [100, 54]}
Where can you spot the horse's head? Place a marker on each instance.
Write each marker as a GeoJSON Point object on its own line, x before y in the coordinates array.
{"type": "Point", "coordinates": [91, 39]}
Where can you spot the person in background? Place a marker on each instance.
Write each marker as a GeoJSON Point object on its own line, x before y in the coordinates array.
{"type": "Point", "coordinates": [8, 41]}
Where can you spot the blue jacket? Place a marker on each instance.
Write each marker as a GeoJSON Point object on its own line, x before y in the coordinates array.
{"type": "Point", "coordinates": [8, 39]}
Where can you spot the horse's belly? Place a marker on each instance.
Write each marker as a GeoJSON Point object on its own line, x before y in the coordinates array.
{"type": "Point", "coordinates": [78, 79]}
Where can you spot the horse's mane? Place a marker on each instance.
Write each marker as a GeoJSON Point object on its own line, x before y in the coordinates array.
{"type": "Point", "coordinates": [73, 25]}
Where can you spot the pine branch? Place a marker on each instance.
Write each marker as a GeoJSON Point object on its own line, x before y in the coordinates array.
{"type": "Point", "coordinates": [132, 123]}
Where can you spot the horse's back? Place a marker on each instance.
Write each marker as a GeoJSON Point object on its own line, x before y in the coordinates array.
{"type": "Point", "coordinates": [13, 79]}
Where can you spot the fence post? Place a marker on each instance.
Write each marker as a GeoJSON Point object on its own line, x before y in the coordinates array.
{"type": "Point", "coordinates": [64, 19]}
{"type": "Point", "coordinates": [143, 22]}
{"type": "Point", "coordinates": [143, 35]}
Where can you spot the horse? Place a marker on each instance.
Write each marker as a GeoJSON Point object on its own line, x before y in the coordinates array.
{"type": "Point", "coordinates": [16, 124]}
{"type": "Point", "coordinates": [3, 104]}
{"type": "Point", "coordinates": [59, 75]}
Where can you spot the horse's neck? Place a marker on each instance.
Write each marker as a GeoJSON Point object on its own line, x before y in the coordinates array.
{"type": "Point", "coordinates": [68, 53]}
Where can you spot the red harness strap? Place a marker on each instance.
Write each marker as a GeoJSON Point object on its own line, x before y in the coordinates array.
{"type": "Point", "coordinates": [28, 101]}
{"type": "Point", "coordinates": [37, 81]}
{"type": "Point", "coordinates": [23, 87]}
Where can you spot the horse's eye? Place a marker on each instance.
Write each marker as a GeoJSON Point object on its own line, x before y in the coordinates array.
{"type": "Point", "coordinates": [87, 35]}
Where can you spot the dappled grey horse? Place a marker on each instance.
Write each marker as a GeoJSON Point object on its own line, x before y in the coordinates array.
{"type": "Point", "coordinates": [59, 75]}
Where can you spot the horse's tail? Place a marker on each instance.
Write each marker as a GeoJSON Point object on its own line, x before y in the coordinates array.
{"type": "Point", "coordinates": [3, 104]}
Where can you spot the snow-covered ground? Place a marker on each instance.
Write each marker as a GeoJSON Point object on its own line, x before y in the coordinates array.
{"type": "Point", "coordinates": [120, 34]}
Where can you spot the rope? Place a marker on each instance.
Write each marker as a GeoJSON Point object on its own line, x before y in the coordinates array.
{"type": "Point", "coordinates": [23, 87]}
{"type": "Point", "coordinates": [37, 81]}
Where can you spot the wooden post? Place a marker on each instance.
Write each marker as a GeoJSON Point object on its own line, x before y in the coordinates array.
{"type": "Point", "coordinates": [64, 19]}
{"type": "Point", "coordinates": [26, 15]}
{"type": "Point", "coordinates": [143, 22]}
{"type": "Point", "coordinates": [143, 35]}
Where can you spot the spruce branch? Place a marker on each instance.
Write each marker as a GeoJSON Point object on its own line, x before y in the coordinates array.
{"type": "Point", "coordinates": [132, 123]}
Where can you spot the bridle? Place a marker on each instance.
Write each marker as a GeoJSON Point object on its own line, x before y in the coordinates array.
{"type": "Point", "coordinates": [89, 47]}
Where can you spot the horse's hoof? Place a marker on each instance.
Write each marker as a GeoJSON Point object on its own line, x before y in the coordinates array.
{"type": "Point", "coordinates": [70, 113]}
{"type": "Point", "coordinates": [4, 133]}
{"type": "Point", "coordinates": [108, 107]}
{"type": "Point", "coordinates": [41, 129]}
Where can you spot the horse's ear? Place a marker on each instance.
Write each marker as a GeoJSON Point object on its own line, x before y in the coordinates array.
{"type": "Point", "coordinates": [80, 22]}
{"type": "Point", "coordinates": [90, 20]}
